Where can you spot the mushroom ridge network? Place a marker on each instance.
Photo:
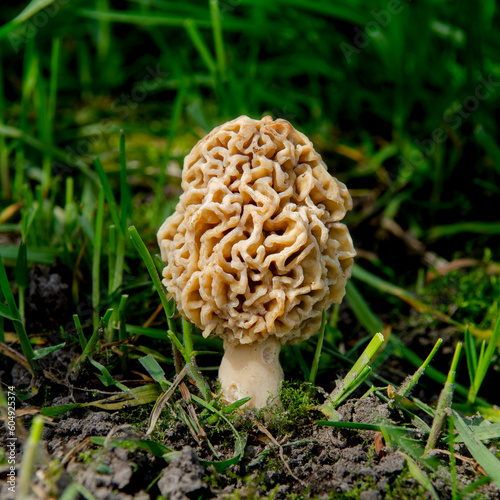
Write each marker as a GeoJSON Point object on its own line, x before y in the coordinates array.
{"type": "Point", "coordinates": [255, 247]}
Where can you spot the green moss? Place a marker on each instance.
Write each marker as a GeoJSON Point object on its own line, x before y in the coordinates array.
{"type": "Point", "coordinates": [253, 488]}
{"type": "Point", "coordinates": [296, 407]}
{"type": "Point", "coordinates": [87, 456]}
{"type": "Point", "coordinates": [405, 487]}
{"type": "Point", "coordinates": [467, 295]}
{"type": "Point", "coordinates": [137, 415]}
{"type": "Point", "coordinates": [362, 485]}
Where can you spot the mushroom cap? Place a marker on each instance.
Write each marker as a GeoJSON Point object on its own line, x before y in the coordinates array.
{"type": "Point", "coordinates": [255, 247]}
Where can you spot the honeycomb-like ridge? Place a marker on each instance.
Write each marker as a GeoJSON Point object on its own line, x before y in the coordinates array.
{"type": "Point", "coordinates": [255, 247]}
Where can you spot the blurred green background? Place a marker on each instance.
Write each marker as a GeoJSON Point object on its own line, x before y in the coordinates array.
{"type": "Point", "coordinates": [401, 98]}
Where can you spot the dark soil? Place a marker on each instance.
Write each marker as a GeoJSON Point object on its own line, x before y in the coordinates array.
{"type": "Point", "coordinates": [49, 298]}
{"type": "Point", "coordinates": [315, 461]}
{"type": "Point", "coordinates": [283, 458]}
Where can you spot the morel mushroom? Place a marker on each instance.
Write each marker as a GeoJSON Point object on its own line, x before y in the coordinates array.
{"type": "Point", "coordinates": [255, 250]}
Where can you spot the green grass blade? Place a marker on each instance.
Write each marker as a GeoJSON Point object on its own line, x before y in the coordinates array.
{"type": "Point", "coordinates": [168, 306]}
{"type": "Point", "coordinates": [103, 35]}
{"type": "Point", "coordinates": [484, 432]}
{"type": "Point", "coordinates": [178, 345]}
{"type": "Point", "coordinates": [111, 257]}
{"type": "Point", "coordinates": [139, 18]}
{"type": "Point", "coordinates": [404, 352]}
{"type": "Point", "coordinates": [79, 330]}
{"type": "Point", "coordinates": [411, 381]}
{"type": "Point", "coordinates": [218, 38]}
{"type": "Point", "coordinates": [48, 123]}
{"type": "Point", "coordinates": [107, 379]}
{"type": "Point", "coordinates": [30, 453]}
{"type": "Point", "coordinates": [53, 85]}
{"type": "Point", "coordinates": [110, 197]}
{"type": "Point", "coordinates": [91, 345]}
{"type": "Point", "coordinates": [155, 370]}
{"type": "Point", "coordinates": [44, 351]}
{"type": "Point", "coordinates": [69, 206]}
{"type": "Point", "coordinates": [362, 310]}
{"type": "Point", "coordinates": [96, 257]}
{"type": "Point", "coordinates": [5, 313]}
{"type": "Point", "coordinates": [354, 377]}
{"type": "Point", "coordinates": [122, 331]}
{"type": "Point", "coordinates": [475, 227]}
{"type": "Point", "coordinates": [485, 362]}
{"type": "Point", "coordinates": [234, 406]}
{"type": "Point", "coordinates": [18, 324]}
{"type": "Point", "coordinates": [200, 45]}
{"type": "Point", "coordinates": [478, 450]}
{"type": "Point", "coordinates": [362, 361]}
{"type": "Point", "coordinates": [4, 152]}
{"type": "Point", "coordinates": [319, 348]}
{"type": "Point", "coordinates": [125, 197]}
{"type": "Point", "coordinates": [36, 255]}
{"type": "Point", "coordinates": [156, 354]}
{"type": "Point", "coordinates": [154, 333]}
{"type": "Point", "coordinates": [420, 476]}
{"type": "Point", "coordinates": [482, 350]}
{"type": "Point", "coordinates": [105, 376]}
{"type": "Point", "coordinates": [187, 336]}
{"type": "Point", "coordinates": [365, 373]}
{"type": "Point", "coordinates": [70, 492]}
{"type": "Point", "coordinates": [28, 216]}
{"type": "Point", "coordinates": [29, 11]}
{"type": "Point", "coordinates": [444, 403]}
{"type": "Point", "coordinates": [117, 272]}
{"type": "Point", "coordinates": [142, 395]}
{"type": "Point", "coordinates": [453, 458]}
{"type": "Point", "coordinates": [22, 275]}
{"type": "Point", "coordinates": [471, 355]}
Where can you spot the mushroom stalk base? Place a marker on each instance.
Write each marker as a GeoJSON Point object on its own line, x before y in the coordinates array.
{"type": "Point", "coordinates": [251, 370]}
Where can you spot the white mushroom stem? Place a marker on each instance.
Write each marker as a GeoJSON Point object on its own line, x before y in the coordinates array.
{"type": "Point", "coordinates": [251, 370]}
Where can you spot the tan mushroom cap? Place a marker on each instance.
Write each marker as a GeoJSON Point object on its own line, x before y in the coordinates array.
{"type": "Point", "coordinates": [255, 247]}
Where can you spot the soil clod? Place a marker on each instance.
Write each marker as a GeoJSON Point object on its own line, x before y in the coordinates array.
{"type": "Point", "coordinates": [182, 479]}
